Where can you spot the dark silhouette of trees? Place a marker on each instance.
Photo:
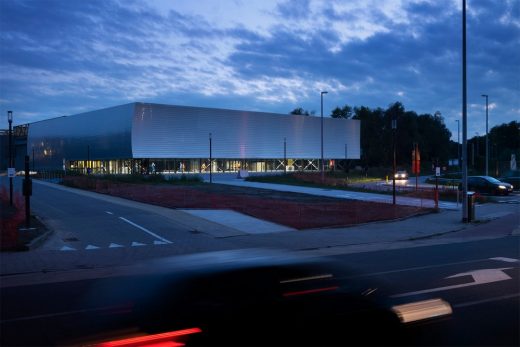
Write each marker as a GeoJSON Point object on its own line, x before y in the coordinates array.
{"type": "Point", "coordinates": [302, 112]}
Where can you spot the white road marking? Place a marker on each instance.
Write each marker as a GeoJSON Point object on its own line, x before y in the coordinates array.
{"type": "Point", "coordinates": [108, 212]}
{"type": "Point", "coordinates": [145, 230]}
{"type": "Point", "coordinates": [135, 244]}
{"type": "Point", "coordinates": [159, 242]}
{"type": "Point", "coordinates": [67, 248]}
{"type": "Point", "coordinates": [91, 247]}
{"type": "Point", "coordinates": [507, 260]}
{"type": "Point", "coordinates": [416, 268]}
{"type": "Point", "coordinates": [479, 277]}
{"type": "Point", "coordinates": [115, 245]}
{"type": "Point", "coordinates": [484, 301]}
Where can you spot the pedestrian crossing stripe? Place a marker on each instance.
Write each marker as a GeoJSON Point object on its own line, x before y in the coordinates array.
{"type": "Point", "coordinates": [115, 245]}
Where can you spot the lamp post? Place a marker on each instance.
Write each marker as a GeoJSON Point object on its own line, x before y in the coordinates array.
{"type": "Point", "coordinates": [394, 129]}
{"type": "Point", "coordinates": [10, 120]}
{"type": "Point", "coordinates": [487, 143]}
{"type": "Point", "coordinates": [478, 148]}
{"type": "Point", "coordinates": [458, 141]}
{"type": "Point", "coordinates": [322, 163]}
{"type": "Point", "coordinates": [210, 160]}
{"type": "Point", "coordinates": [284, 155]}
{"type": "Point", "coordinates": [465, 215]}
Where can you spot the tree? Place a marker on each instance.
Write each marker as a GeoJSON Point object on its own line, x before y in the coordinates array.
{"type": "Point", "coordinates": [344, 112]}
{"type": "Point", "coordinates": [300, 111]}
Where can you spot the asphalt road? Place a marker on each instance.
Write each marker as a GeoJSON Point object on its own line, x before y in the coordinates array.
{"type": "Point", "coordinates": [481, 280]}
{"type": "Point", "coordinates": [81, 222]}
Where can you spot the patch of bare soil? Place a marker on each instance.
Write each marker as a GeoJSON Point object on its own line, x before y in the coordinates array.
{"type": "Point", "coordinates": [300, 211]}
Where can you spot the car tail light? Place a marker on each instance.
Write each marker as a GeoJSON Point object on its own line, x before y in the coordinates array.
{"type": "Point", "coordinates": [168, 339]}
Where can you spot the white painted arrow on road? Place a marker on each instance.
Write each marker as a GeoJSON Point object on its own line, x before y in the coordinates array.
{"type": "Point", "coordinates": [479, 277]}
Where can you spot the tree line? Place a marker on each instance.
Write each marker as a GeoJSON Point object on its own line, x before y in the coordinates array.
{"type": "Point", "coordinates": [427, 130]}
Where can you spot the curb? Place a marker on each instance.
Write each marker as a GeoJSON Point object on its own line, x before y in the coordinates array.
{"type": "Point", "coordinates": [40, 239]}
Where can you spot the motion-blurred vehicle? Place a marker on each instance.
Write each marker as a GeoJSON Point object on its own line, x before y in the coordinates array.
{"type": "Point", "coordinates": [512, 177]}
{"type": "Point", "coordinates": [488, 185]}
{"type": "Point", "coordinates": [243, 298]}
{"type": "Point", "coordinates": [401, 175]}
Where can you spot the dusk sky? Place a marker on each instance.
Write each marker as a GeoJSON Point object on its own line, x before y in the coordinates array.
{"type": "Point", "coordinates": [70, 56]}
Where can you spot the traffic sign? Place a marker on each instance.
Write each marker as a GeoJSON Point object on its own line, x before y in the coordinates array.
{"type": "Point", "coordinates": [11, 172]}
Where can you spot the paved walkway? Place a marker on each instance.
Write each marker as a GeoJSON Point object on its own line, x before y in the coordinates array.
{"type": "Point", "coordinates": [341, 194]}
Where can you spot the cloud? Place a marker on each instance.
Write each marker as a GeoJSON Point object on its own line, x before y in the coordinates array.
{"type": "Point", "coordinates": [257, 54]}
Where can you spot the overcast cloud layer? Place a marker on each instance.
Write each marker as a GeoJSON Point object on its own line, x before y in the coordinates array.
{"type": "Point", "coordinates": [68, 56]}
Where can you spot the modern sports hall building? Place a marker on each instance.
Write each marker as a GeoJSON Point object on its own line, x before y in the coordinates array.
{"type": "Point", "coordinates": [156, 138]}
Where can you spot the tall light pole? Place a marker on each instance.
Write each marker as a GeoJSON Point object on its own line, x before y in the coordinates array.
{"type": "Point", "coordinates": [458, 141]}
{"type": "Point", "coordinates": [465, 216]}
{"type": "Point", "coordinates": [487, 143]}
{"type": "Point", "coordinates": [210, 160]}
{"type": "Point", "coordinates": [394, 129]}
{"type": "Point", "coordinates": [284, 155]}
{"type": "Point", "coordinates": [322, 163]}
{"type": "Point", "coordinates": [10, 120]}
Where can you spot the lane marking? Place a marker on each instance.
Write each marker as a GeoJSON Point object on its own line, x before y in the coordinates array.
{"type": "Point", "coordinates": [426, 267]}
{"type": "Point", "coordinates": [67, 248]}
{"type": "Point", "coordinates": [145, 230]}
{"type": "Point", "coordinates": [484, 301]}
{"type": "Point", "coordinates": [115, 245]}
{"type": "Point", "coordinates": [159, 242]}
{"type": "Point", "coordinates": [108, 212]}
{"type": "Point", "coordinates": [479, 277]}
{"type": "Point", "coordinates": [91, 247]}
{"type": "Point", "coordinates": [136, 244]}
{"type": "Point", "coordinates": [507, 260]}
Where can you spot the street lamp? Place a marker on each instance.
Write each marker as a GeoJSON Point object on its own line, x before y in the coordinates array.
{"type": "Point", "coordinates": [284, 155]}
{"type": "Point", "coordinates": [458, 141]}
{"type": "Point", "coordinates": [322, 163]}
{"type": "Point", "coordinates": [210, 160]}
{"type": "Point", "coordinates": [487, 144]}
{"type": "Point", "coordinates": [394, 129]}
{"type": "Point", "coordinates": [10, 120]}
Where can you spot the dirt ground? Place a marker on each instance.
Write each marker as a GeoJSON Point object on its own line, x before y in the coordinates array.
{"type": "Point", "coordinates": [300, 211]}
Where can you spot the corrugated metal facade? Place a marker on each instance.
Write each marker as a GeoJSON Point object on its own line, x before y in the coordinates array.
{"type": "Point", "coordinates": [164, 131]}
{"type": "Point", "coordinates": [141, 131]}
{"type": "Point", "coordinates": [103, 134]}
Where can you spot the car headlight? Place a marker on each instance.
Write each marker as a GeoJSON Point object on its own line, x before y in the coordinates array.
{"type": "Point", "coordinates": [502, 187]}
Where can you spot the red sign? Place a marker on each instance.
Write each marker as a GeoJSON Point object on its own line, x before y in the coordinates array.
{"type": "Point", "coordinates": [416, 161]}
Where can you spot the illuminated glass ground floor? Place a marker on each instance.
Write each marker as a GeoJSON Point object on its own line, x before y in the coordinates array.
{"type": "Point", "coordinates": [174, 166]}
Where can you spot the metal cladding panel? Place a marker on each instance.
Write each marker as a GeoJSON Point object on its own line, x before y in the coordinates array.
{"type": "Point", "coordinates": [164, 131]}
{"type": "Point", "coordinates": [104, 134]}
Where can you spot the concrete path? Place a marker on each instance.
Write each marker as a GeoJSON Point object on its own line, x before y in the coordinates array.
{"type": "Point", "coordinates": [341, 194]}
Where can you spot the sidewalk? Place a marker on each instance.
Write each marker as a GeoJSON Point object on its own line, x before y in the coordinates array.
{"type": "Point", "coordinates": [341, 194]}
{"type": "Point", "coordinates": [433, 228]}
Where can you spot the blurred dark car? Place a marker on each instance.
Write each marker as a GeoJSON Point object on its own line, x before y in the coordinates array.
{"type": "Point", "coordinates": [488, 185]}
{"type": "Point", "coordinates": [241, 298]}
{"type": "Point", "coordinates": [513, 178]}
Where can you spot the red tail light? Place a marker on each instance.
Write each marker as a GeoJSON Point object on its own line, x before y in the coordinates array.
{"type": "Point", "coordinates": [157, 340]}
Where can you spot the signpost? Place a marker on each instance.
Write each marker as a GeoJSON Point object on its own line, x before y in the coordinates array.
{"type": "Point", "coordinates": [416, 164]}
{"type": "Point", "coordinates": [437, 174]}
